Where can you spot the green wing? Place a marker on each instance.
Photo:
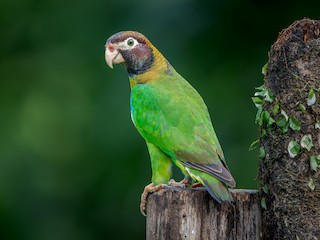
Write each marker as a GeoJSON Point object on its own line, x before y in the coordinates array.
{"type": "Point", "coordinates": [169, 113]}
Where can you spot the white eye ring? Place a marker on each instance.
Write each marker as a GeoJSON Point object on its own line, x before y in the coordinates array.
{"type": "Point", "coordinates": [131, 42]}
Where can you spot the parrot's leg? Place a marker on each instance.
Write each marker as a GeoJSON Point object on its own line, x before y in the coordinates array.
{"type": "Point", "coordinates": [160, 164]}
{"type": "Point", "coordinates": [149, 189]}
{"type": "Point", "coordinates": [161, 173]}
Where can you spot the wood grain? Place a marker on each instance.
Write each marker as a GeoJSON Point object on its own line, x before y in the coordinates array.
{"type": "Point", "coordinates": [192, 214]}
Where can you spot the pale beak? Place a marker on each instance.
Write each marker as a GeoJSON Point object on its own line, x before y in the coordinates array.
{"type": "Point", "coordinates": [112, 55]}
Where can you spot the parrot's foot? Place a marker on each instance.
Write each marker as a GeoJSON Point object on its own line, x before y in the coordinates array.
{"type": "Point", "coordinates": [182, 184]}
{"type": "Point", "coordinates": [149, 189]}
{"type": "Point", "coordinates": [196, 185]}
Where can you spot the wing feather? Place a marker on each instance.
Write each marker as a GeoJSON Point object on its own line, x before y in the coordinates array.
{"type": "Point", "coordinates": [217, 170]}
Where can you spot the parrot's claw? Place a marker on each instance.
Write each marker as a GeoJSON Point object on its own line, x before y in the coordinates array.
{"type": "Point", "coordinates": [149, 189]}
{"type": "Point", "coordinates": [182, 184]}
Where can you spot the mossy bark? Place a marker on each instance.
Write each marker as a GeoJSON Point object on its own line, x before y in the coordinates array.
{"type": "Point", "coordinates": [291, 188]}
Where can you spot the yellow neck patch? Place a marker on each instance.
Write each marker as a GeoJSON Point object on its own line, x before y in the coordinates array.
{"type": "Point", "coordinates": [159, 66]}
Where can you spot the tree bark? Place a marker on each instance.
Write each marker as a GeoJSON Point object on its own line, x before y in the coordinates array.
{"type": "Point", "coordinates": [289, 187]}
{"type": "Point", "coordinates": [192, 214]}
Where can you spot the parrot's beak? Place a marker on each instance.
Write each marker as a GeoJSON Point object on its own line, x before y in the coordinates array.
{"type": "Point", "coordinates": [112, 55]}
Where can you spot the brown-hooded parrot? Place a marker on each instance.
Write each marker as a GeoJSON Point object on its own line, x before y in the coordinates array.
{"type": "Point", "coordinates": [171, 116]}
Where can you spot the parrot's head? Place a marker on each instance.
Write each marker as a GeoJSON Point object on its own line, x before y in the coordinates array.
{"type": "Point", "coordinates": [131, 48]}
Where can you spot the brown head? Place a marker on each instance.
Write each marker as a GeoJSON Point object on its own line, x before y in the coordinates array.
{"type": "Point", "coordinates": [131, 48]}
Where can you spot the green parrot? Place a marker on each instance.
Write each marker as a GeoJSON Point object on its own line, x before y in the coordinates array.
{"type": "Point", "coordinates": [172, 118]}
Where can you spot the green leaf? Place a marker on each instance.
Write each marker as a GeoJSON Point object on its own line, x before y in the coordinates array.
{"type": "Point", "coordinates": [294, 124]}
{"type": "Point", "coordinates": [311, 97]}
{"type": "Point", "coordinates": [270, 121]}
{"type": "Point", "coordinates": [266, 118]}
{"type": "Point", "coordinates": [311, 184]}
{"type": "Point", "coordinates": [260, 88]}
{"type": "Point", "coordinates": [265, 189]}
{"type": "Point", "coordinates": [265, 93]}
{"type": "Point", "coordinates": [254, 145]}
{"type": "Point", "coordinates": [296, 77]}
{"type": "Point", "coordinates": [283, 112]}
{"type": "Point", "coordinates": [282, 124]}
{"type": "Point", "coordinates": [293, 148]}
{"type": "Point", "coordinates": [257, 101]}
{"type": "Point", "coordinates": [263, 133]}
{"type": "Point", "coordinates": [258, 116]}
{"type": "Point", "coordinates": [268, 96]}
{"type": "Point", "coordinates": [276, 108]}
{"type": "Point", "coordinates": [264, 69]}
{"type": "Point", "coordinates": [263, 203]}
{"type": "Point", "coordinates": [302, 107]}
{"type": "Point", "coordinates": [315, 163]}
{"type": "Point", "coordinates": [262, 153]}
{"type": "Point", "coordinates": [306, 142]}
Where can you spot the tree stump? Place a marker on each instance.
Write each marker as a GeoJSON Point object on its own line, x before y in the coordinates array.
{"type": "Point", "coordinates": [193, 214]}
{"type": "Point", "coordinates": [289, 172]}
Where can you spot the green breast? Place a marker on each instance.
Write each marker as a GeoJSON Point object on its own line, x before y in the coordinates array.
{"type": "Point", "coordinates": [145, 110]}
{"type": "Point", "coordinates": [169, 113]}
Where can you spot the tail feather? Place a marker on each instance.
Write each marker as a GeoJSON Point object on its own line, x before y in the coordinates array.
{"type": "Point", "coordinates": [218, 190]}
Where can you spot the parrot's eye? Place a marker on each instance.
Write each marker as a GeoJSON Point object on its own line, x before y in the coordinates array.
{"type": "Point", "coordinates": [130, 42]}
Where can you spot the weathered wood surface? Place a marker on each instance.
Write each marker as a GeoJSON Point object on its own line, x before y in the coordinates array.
{"type": "Point", "coordinates": [193, 214]}
{"type": "Point", "coordinates": [291, 187]}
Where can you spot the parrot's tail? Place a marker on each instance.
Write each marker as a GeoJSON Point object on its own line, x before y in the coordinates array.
{"type": "Point", "coordinates": [217, 189]}
{"type": "Point", "coordinates": [214, 186]}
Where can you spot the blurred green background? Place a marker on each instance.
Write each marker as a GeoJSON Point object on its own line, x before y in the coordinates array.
{"type": "Point", "coordinates": [72, 166]}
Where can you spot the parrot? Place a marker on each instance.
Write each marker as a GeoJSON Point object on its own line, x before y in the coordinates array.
{"type": "Point", "coordinates": [172, 118]}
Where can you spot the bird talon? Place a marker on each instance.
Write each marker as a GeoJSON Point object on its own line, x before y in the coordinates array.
{"type": "Point", "coordinates": [160, 192]}
{"type": "Point", "coordinates": [151, 188]}
{"type": "Point", "coordinates": [182, 184]}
